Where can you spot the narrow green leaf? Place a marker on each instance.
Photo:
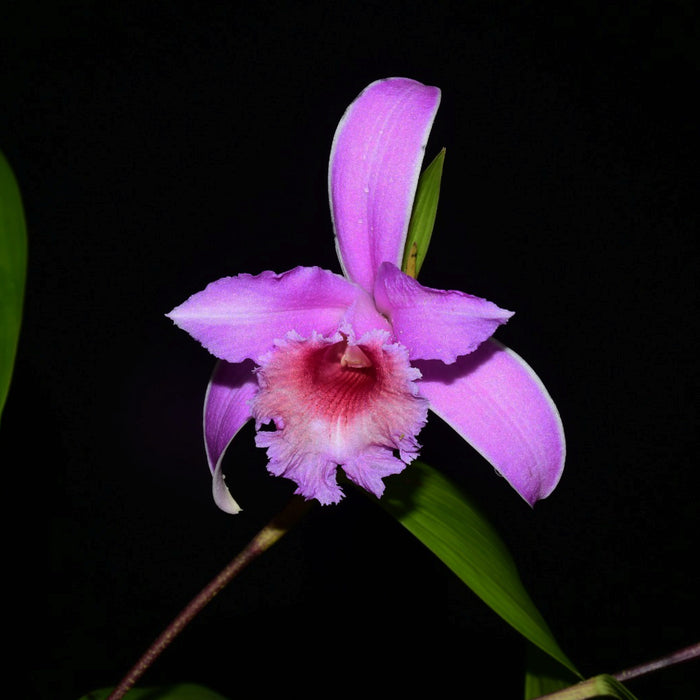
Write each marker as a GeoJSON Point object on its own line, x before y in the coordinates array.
{"type": "Point", "coordinates": [451, 526]}
{"type": "Point", "coordinates": [602, 686]}
{"type": "Point", "coordinates": [180, 691]}
{"type": "Point", "coordinates": [420, 227]}
{"type": "Point", "coordinates": [13, 270]}
{"type": "Point", "coordinates": [543, 674]}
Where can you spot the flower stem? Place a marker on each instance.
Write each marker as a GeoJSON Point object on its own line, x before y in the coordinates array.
{"type": "Point", "coordinates": [598, 686]}
{"type": "Point", "coordinates": [685, 654]}
{"type": "Point", "coordinates": [271, 533]}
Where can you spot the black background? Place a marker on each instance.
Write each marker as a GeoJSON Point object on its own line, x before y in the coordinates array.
{"type": "Point", "coordinates": [161, 146]}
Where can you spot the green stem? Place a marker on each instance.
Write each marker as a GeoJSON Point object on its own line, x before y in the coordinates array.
{"type": "Point", "coordinates": [271, 533]}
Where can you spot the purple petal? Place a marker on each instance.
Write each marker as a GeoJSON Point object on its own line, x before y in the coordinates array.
{"type": "Point", "coordinates": [434, 324]}
{"type": "Point", "coordinates": [374, 166]}
{"type": "Point", "coordinates": [494, 400]}
{"type": "Point", "coordinates": [226, 410]}
{"type": "Point", "coordinates": [240, 317]}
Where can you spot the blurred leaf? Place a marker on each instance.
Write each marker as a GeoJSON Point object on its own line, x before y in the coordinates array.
{"type": "Point", "coordinates": [13, 270]}
{"type": "Point", "coordinates": [451, 526]}
{"type": "Point", "coordinates": [181, 691]}
{"type": "Point", "coordinates": [603, 686]}
{"type": "Point", "coordinates": [420, 227]}
{"type": "Point", "coordinates": [543, 674]}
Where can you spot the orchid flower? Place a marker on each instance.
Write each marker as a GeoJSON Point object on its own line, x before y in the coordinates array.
{"type": "Point", "coordinates": [340, 371]}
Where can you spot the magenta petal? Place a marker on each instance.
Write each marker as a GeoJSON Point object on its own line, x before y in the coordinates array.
{"type": "Point", "coordinates": [240, 317]}
{"type": "Point", "coordinates": [226, 410]}
{"type": "Point", "coordinates": [434, 324]}
{"type": "Point", "coordinates": [363, 317]}
{"type": "Point", "coordinates": [374, 166]}
{"type": "Point", "coordinates": [494, 400]}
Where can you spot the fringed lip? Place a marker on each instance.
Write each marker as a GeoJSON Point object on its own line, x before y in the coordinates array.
{"type": "Point", "coordinates": [334, 402]}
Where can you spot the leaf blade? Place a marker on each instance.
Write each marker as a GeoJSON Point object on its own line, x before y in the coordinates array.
{"type": "Point", "coordinates": [13, 268]}
{"type": "Point", "coordinates": [602, 686]}
{"type": "Point", "coordinates": [420, 227]}
{"type": "Point", "coordinates": [544, 675]}
{"type": "Point", "coordinates": [429, 506]}
{"type": "Point", "coordinates": [178, 691]}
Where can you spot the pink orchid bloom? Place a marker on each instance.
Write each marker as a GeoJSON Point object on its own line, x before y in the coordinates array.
{"type": "Point", "coordinates": [345, 368]}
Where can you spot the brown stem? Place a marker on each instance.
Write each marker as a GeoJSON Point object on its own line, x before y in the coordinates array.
{"type": "Point", "coordinates": [686, 654]}
{"type": "Point", "coordinates": [589, 689]}
{"type": "Point", "coordinates": [270, 534]}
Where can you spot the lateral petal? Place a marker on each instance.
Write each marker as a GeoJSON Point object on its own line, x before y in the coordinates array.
{"type": "Point", "coordinates": [374, 165]}
{"type": "Point", "coordinates": [432, 323]}
{"type": "Point", "coordinates": [226, 410]}
{"type": "Point", "coordinates": [237, 318]}
{"type": "Point", "coordinates": [495, 401]}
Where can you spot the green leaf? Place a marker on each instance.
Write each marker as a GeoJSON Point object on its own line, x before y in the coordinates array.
{"type": "Point", "coordinates": [13, 270]}
{"type": "Point", "coordinates": [453, 528]}
{"type": "Point", "coordinates": [545, 675]}
{"type": "Point", "coordinates": [602, 686]}
{"type": "Point", "coordinates": [181, 691]}
{"type": "Point", "coordinates": [420, 227]}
